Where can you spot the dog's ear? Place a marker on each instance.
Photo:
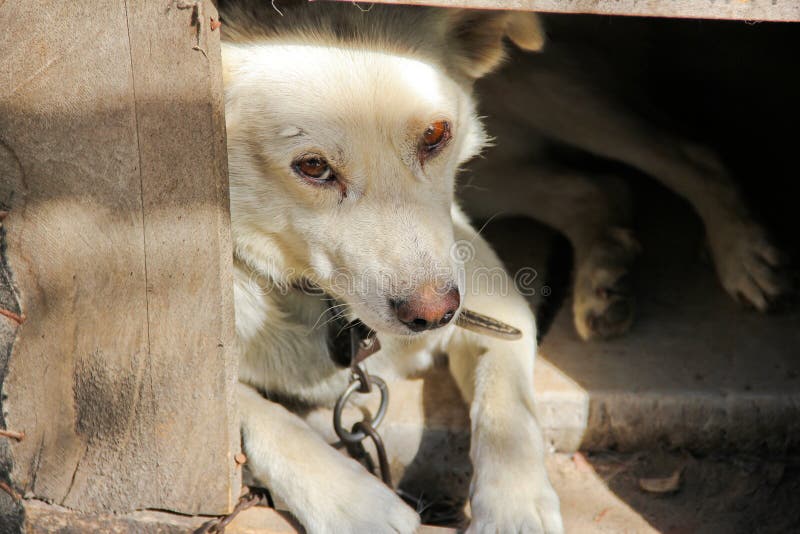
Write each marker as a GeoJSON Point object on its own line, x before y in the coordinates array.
{"type": "Point", "coordinates": [525, 30]}
{"type": "Point", "coordinates": [477, 37]}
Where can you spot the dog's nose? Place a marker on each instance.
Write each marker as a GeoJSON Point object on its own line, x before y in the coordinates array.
{"type": "Point", "coordinates": [430, 307]}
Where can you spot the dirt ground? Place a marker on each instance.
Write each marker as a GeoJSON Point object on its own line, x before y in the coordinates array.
{"type": "Point", "coordinates": [605, 493]}
{"type": "Point", "coordinates": [716, 493]}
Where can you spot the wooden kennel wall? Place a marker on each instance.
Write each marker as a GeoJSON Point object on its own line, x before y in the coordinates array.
{"type": "Point", "coordinates": [113, 173]}
{"type": "Point", "coordinates": [749, 10]}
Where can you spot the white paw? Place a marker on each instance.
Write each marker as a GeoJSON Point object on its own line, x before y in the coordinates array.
{"type": "Point", "coordinates": [511, 493]}
{"type": "Point", "coordinates": [515, 506]}
{"type": "Point", "coordinates": [603, 300]}
{"type": "Point", "coordinates": [748, 263]}
{"type": "Point", "coordinates": [356, 502]}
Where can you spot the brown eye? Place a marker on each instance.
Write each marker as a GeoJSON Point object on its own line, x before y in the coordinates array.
{"type": "Point", "coordinates": [314, 168]}
{"type": "Point", "coordinates": [435, 136]}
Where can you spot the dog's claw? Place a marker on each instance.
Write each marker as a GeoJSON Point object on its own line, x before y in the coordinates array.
{"type": "Point", "coordinates": [613, 321]}
{"type": "Point", "coordinates": [750, 267]}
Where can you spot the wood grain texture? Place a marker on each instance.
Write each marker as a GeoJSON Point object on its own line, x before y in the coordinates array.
{"type": "Point", "coordinates": [45, 519]}
{"type": "Point", "coordinates": [750, 10]}
{"type": "Point", "coordinates": [118, 239]}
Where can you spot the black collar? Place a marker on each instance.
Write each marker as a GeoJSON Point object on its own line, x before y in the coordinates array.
{"type": "Point", "coordinates": [349, 342]}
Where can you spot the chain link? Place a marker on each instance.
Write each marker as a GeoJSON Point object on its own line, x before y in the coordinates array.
{"type": "Point", "coordinates": [362, 383]}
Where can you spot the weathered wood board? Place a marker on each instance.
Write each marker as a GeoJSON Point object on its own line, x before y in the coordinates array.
{"type": "Point", "coordinates": [45, 519]}
{"type": "Point", "coordinates": [748, 10]}
{"type": "Point", "coordinates": [113, 169]}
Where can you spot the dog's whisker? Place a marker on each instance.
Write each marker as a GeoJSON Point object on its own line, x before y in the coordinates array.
{"type": "Point", "coordinates": [327, 310]}
{"type": "Point", "coordinates": [321, 315]}
{"type": "Point", "coordinates": [338, 315]}
{"type": "Point", "coordinates": [349, 326]}
{"type": "Point", "coordinates": [490, 219]}
{"type": "Point", "coordinates": [331, 319]}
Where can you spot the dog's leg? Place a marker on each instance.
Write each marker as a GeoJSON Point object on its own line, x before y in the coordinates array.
{"type": "Point", "coordinates": [746, 260]}
{"type": "Point", "coordinates": [325, 490]}
{"type": "Point", "coordinates": [510, 490]}
{"type": "Point", "coordinates": [593, 212]}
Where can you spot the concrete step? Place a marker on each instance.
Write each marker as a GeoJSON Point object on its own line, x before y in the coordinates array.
{"type": "Point", "coordinates": [696, 372]}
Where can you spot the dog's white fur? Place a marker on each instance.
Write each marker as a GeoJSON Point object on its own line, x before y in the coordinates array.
{"type": "Point", "coordinates": [359, 89]}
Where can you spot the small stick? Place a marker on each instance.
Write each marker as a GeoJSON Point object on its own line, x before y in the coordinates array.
{"type": "Point", "coordinates": [19, 436]}
{"type": "Point", "coordinates": [601, 514]}
{"type": "Point", "coordinates": [8, 489]}
{"type": "Point", "coordinates": [198, 18]}
{"type": "Point", "coordinates": [486, 325]}
{"type": "Point", "coordinates": [19, 319]}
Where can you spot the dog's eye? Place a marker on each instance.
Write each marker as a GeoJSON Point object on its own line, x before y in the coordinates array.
{"type": "Point", "coordinates": [435, 137]}
{"type": "Point", "coordinates": [314, 168]}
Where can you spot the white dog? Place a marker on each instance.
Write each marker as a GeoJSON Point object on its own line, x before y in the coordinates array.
{"type": "Point", "coordinates": [345, 132]}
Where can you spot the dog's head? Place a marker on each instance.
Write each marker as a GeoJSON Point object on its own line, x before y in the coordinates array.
{"type": "Point", "coordinates": [345, 133]}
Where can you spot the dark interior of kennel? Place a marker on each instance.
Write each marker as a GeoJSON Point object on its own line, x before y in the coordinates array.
{"type": "Point", "coordinates": [734, 86]}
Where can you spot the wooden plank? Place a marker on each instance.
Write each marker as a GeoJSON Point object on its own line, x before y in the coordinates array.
{"type": "Point", "coordinates": [749, 10]}
{"type": "Point", "coordinates": [118, 239]}
{"type": "Point", "coordinates": [44, 518]}
{"type": "Point", "coordinates": [188, 250]}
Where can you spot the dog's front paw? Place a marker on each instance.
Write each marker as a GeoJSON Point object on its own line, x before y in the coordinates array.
{"type": "Point", "coordinates": [510, 491]}
{"type": "Point", "coordinates": [748, 264]}
{"type": "Point", "coordinates": [603, 299]}
{"type": "Point", "coordinates": [357, 503]}
{"type": "Point", "coordinates": [515, 503]}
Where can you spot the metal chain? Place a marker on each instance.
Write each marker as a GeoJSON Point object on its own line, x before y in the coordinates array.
{"type": "Point", "coordinates": [383, 461]}
{"type": "Point", "coordinates": [362, 382]}
{"type": "Point", "coordinates": [253, 497]}
{"type": "Point", "coordinates": [362, 343]}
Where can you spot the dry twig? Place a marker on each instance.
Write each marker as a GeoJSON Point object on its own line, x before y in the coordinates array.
{"type": "Point", "coordinates": [13, 434]}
